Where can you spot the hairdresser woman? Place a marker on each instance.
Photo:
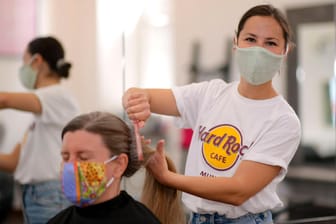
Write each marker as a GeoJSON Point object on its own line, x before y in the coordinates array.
{"type": "Point", "coordinates": [245, 133]}
{"type": "Point", "coordinates": [35, 160]}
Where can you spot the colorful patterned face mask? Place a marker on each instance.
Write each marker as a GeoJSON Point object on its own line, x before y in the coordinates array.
{"type": "Point", "coordinates": [84, 182]}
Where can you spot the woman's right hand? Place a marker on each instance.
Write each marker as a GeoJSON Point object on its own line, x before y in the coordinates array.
{"type": "Point", "coordinates": [136, 103]}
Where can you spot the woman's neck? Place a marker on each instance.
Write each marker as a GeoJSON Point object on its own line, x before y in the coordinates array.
{"type": "Point", "coordinates": [111, 192]}
{"type": "Point", "coordinates": [47, 80]}
{"type": "Point", "coordinates": [259, 92]}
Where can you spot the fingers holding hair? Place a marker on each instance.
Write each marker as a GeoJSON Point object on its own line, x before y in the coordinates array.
{"type": "Point", "coordinates": [157, 164]}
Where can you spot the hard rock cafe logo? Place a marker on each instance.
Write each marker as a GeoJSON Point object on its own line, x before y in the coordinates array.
{"type": "Point", "coordinates": [222, 146]}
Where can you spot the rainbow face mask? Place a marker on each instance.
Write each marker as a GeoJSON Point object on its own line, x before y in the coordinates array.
{"type": "Point", "coordinates": [84, 182]}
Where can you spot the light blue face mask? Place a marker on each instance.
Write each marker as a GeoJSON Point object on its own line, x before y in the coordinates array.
{"type": "Point", "coordinates": [27, 75]}
{"type": "Point", "coordinates": [257, 65]}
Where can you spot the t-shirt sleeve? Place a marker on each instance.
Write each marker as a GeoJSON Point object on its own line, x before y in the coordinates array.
{"type": "Point", "coordinates": [57, 105]}
{"type": "Point", "coordinates": [190, 99]}
{"type": "Point", "coordinates": [278, 144]}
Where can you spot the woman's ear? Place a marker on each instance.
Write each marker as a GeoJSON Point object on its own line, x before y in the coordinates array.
{"type": "Point", "coordinates": [37, 61]}
{"type": "Point", "coordinates": [289, 48]}
{"type": "Point", "coordinates": [234, 43]}
{"type": "Point", "coordinates": [119, 165]}
{"type": "Point", "coordinates": [37, 58]}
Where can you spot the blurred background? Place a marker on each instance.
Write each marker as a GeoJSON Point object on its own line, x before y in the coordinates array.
{"type": "Point", "coordinates": [117, 44]}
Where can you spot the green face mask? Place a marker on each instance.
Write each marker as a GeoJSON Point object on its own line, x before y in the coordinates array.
{"type": "Point", "coordinates": [257, 65]}
{"type": "Point", "coordinates": [27, 75]}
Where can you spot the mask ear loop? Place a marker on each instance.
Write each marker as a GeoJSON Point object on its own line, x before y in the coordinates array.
{"type": "Point", "coordinates": [32, 59]}
{"type": "Point", "coordinates": [112, 178]}
{"type": "Point", "coordinates": [287, 49]}
{"type": "Point", "coordinates": [235, 42]}
{"type": "Point", "coordinates": [285, 54]}
{"type": "Point", "coordinates": [109, 182]}
{"type": "Point", "coordinates": [111, 159]}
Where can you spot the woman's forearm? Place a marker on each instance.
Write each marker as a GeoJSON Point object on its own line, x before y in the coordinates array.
{"type": "Point", "coordinates": [220, 189]}
{"type": "Point", "coordinates": [8, 162]}
{"type": "Point", "coordinates": [20, 101]}
{"type": "Point", "coordinates": [162, 101]}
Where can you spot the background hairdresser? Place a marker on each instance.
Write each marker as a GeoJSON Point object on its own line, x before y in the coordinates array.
{"type": "Point", "coordinates": [35, 160]}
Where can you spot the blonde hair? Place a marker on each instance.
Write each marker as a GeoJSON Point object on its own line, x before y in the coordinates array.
{"type": "Point", "coordinates": [163, 201]}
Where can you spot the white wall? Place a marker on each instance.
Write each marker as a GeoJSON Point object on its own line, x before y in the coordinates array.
{"type": "Point", "coordinates": [74, 23]}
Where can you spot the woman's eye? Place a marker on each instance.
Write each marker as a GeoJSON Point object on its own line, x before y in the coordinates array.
{"type": "Point", "coordinates": [83, 158]}
{"type": "Point", "coordinates": [65, 157]}
{"type": "Point", "coordinates": [271, 43]}
{"type": "Point", "coordinates": [250, 39]}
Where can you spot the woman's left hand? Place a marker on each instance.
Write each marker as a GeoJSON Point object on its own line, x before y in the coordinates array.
{"type": "Point", "coordinates": [157, 164]}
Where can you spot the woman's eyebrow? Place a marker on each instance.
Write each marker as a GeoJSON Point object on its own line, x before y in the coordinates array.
{"type": "Point", "coordinates": [272, 38]}
{"type": "Point", "coordinates": [250, 34]}
{"type": "Point", "coordinates": [255, 36]}
{"type": "Point", "coordinates": [84, 152]}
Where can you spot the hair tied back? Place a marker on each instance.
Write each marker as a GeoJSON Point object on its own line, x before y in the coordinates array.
{"type": "Point", "coordinates": [60, 62]}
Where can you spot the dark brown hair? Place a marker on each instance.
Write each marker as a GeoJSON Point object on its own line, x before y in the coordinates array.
{"type": "Point", "coordinates": [52, 52]}
{"type": "Point", "coordinates": [163, 201]}
{"type": "Point", "coordinates": [268, 10]}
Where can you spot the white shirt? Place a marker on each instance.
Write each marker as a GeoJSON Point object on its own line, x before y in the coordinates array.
{"type": "Point", "coordinates": [40, 156]}
{"type": "Point", "coordinates": [229, 128]}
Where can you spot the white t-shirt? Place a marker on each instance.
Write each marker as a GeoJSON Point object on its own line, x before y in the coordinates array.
{"type": "Point", "coordinates": [40, 156]}
{"type": "Point", "coordinates": [229, 128]}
